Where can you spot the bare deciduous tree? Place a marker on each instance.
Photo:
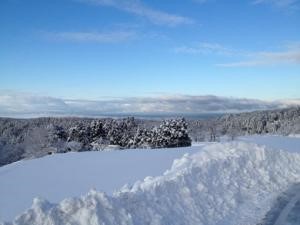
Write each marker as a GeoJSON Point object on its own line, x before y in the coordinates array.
{"type": "Point", "coordinates": [100, 144]}
{"type": "Point", "coordinates": [35, 142]}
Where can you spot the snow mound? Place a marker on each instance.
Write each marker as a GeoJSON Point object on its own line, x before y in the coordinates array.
{"type": "Point", "coordinates": [231, 183]}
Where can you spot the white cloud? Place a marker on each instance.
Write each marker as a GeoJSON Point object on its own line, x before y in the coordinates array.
{"type": "Point", "coordinates": [100, 37]}
{"type": "Point", "coordinates": [18, 103]}
{"type": "Point", "coordinates": [15, 104]}
{"type": "Point", "coordinates": [136, 7]}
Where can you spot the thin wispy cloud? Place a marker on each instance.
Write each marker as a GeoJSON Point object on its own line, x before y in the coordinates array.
{"type": "Point", "coordinates": [205, 48]}
{"type": "Point", "coordinates": [98, 37]}
{"type": "Point", "coordinates": [201, 1]}
{"type": "Point", "coordinates": [136, 7]}
{"type": "Point", "coordinates": [281, 4]}
{"type": "Point", "coordinates": [15, 104]}
{"type": "Point", "coordinates": [285, 57]}
{"type": "Point", "coordinates": [288, 55]}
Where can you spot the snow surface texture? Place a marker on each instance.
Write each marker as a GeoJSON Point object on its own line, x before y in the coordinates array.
{"type": "Point", "coordinates": [230, 183]}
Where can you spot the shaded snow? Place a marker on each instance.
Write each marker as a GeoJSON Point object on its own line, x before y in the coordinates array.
{"type": "Point", "coordinates": [229, 183]}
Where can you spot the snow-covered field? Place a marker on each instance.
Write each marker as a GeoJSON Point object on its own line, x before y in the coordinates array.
{"type": "Point", "coordinates": [59, 176]}
{"type": "Point", "coordinates": [225, 183]}
{"type": "Point", "coordinates": [288, 143]}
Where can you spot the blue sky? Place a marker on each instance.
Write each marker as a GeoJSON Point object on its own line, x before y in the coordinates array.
{"type": "Point", "coordinates": [96, 49]}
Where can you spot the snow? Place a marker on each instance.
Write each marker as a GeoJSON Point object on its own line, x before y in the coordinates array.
{"type": "Point", "coordinates": [59, 176]}
{"type": "Point", "coordinates": [288, 143]}
{"type": "Point", "coordinates": [295, 135]}
{"type": "Point", "coordinates": [213, 184]}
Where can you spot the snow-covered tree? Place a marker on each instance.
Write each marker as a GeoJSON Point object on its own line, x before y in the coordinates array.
{"type": "Point", "coordinates": [171, 133]}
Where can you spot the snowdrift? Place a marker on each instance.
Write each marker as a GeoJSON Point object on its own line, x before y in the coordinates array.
{"type": "Point", "coordinates": [225, 184]}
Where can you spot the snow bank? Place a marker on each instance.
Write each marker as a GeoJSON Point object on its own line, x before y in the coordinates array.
{"type": "Point", "coordinates": [231, 183]}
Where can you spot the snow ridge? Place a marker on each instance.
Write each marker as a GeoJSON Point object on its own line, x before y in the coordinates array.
{"type": "Point", "coordinates": [231, 183]}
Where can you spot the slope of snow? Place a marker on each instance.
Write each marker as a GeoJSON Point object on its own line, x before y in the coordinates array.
{"type": "Point", "coordinates": [229, 183]}
{"type": "Point", "coordinates": [60, 176]}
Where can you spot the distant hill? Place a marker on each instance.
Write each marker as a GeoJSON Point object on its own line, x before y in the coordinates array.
{"type": "Point", "coordinates": [281, 122]}
{"type": "Point", "coordinates": [30, 138]}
